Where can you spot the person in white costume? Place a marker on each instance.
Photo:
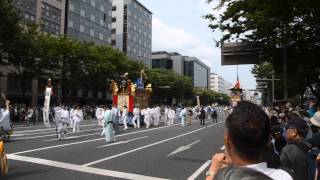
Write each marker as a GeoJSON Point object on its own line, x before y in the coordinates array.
{"type": "Point", "coordinates": [136, 117]}
{"type": "Point", "coordinates": [62, 123]}
{"type": "Point", "coordinates": [77, 118]}
{"type": "Point", "coordinates": [71, 117]}
{"type": "Point", "coordinates": [166, 113]}
{"type": "Point", "coordinates": [171, 116]}
{"type": "Point", "coordinates": [5, 117]}
{"type": "Point", "coordinates": [157, 116]}
{"type": "Point", "coordinates": [117, 115]}
{"type": "Point", "coordinates": [100, 117]}
{"type": "Point", "coordinates": [183, 113]}
{"type": "Point", "coordinates": [57, 111]}
{"type": "Point", "coordinates": [147, 117]}
{"type": "Point", "coordinates": [124, 117]}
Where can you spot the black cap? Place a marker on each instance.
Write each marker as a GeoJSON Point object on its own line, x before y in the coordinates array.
{"type": "Point", "coordinates": [299, 124]}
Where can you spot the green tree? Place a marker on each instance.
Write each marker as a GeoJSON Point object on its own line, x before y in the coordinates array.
{"type": "Point", "coordinates": [168, 85]}
{"type": "Point", "coordinates": [9, 28]}
{"type": "Point", "coordinates": [285, 29]}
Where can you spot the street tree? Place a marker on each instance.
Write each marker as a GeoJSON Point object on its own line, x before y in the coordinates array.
{"type": "Point", "coordinates": [287, 30]}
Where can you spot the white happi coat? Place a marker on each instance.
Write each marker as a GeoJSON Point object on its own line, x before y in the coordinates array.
{"type": "Point", "coordinates": [77, 116]}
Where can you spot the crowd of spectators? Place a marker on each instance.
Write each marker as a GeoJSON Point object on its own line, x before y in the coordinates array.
{"type": "Point", "coordinates": [280, 142]}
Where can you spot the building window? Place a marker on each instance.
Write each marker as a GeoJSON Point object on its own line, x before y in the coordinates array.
{"type": "Point", "coordinates": [71, 7]}
{"type": "Point", "coordinates": [102, 8]}
{"type": "Point", "coordinates": [82, 12]}
{"type": "Point", "coordinates": [114, 19]}
{"type": "Point", "coordinates": [92, 17]}
{"type": "Point", "coordinates": [113, 42]}
{"type": "Point", "coordinates": [113, 31]}
{"type": "Point", "coordinates": [114, 8]}
{"type": "Point", "coordinates": [91, 32]}
{"type": "Point", "coordinates": [70, 24]}
{"type": "Point", "coordinates": [81, 28]}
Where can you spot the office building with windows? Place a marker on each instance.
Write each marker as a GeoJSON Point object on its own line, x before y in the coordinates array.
{"type": "Point", "coordinates": [132, 30]}
{"type": "Point", "coordinates": [198, 71]}
{"type": "Point", "coordinates": [219, 84]}
{"type": "Point", "coordinates": [89, 20]}
{"type": "Point", "coordinates": [49, 14]}
{"type": "Point", "coordinates": [183, 65]}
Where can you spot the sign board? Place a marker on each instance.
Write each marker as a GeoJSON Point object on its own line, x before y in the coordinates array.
{"type": "Point", "coordinates": [46, 107]}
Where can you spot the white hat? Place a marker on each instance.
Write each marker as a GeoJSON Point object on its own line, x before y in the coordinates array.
{"type": "Point", "coordinates": [315, 120]}
{"type": "Point", "coordinates": [282, 115]}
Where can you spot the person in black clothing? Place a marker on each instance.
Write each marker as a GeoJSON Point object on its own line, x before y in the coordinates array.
{"type": "Point", "coordinates": [214, 116]}
{"type": "Point", "coordinates": [202, 116]}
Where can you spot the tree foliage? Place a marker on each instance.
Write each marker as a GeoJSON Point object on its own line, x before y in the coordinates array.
{"type": "Point", "coordinates": [276, 25]}
{"type": "Point", "coordinates": [168, 85]}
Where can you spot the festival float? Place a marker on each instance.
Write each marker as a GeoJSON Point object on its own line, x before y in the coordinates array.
{"type": "Point", "coordinates": [129, 94]}
{"type": "Point", "coordinates": [236, 92]}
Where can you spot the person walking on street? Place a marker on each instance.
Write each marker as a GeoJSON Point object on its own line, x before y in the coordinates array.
{"type": "Point", "coordinates": [214, 116]}
{"type": "Point", "coordinates": [190, 113]}
{"type": "Point", "coordinates": [64, 119]}
{"type": "Point", "coordinates": [100, 117]}
{"type": "Point", "coordinates": [117, 116]}
{"type": "Point", "coordinates": [183, 113]}
{"type": "Point", "coordinates": [172, 116]}
{"type": "Point", "coordinates": [147, 117]}
{"type": "Point", "coordinates": [136, 117]}
{"type": "Point", "coordinates": [108, 125]}
{"type": "Point", "coordinates": [202, 116]}
{"type": "Point", "coordinates": [125, 117]}
{"type": "Point", "coordinates": [77, 118]}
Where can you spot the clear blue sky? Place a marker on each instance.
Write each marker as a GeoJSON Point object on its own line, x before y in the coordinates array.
{"type": "Point", "coordinates": [178, 26]}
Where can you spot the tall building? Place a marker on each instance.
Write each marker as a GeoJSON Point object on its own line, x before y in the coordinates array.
{"type": "Point", "coordinates": [183, 65]}
{"type": "Point", "coordinates": [49, 14]}
{"type": "Point", "coordinates": [218, 84]}
{"type": "Point", "coordinates": [132, 29]}
{"type": "Point", "coordinates": [198, 71]}
{"type": "Point", "coordinates": [89, 20]}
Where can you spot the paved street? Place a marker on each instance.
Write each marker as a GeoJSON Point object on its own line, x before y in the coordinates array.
{"type": "Point", "coordinates": [156, 153]}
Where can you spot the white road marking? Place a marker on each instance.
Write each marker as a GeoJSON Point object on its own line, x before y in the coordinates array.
{"type": "Point", "coordinates": [81, 142]}
{"type": "Point", "coordinates": [49, 129]}
{"type": "Point", "coordinates": [79, 168]}
{"type": "Point", "coordinates": [144, 147]}
{"type": "Point", "coordinates": [72, 137]}
{"type": "Point", "coordinates": [183, 148]}
{"type": "Point", "coordinates": [200, 170]}
{"type": "Point", "coordinates": [122, 142]}
{"type": "Point", "coordinates": [35, 137]}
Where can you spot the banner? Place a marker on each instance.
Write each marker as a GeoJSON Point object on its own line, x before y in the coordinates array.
{"type": "Point", "coordinates": [124, 100]}
{"type": "Point", "coordinates": [198, 101]}
{"type": "Point", "coordinates": [46, 107]}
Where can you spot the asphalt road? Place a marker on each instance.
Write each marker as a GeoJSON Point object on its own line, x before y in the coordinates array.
{"type": "Point", "coordinates": [157, 153]}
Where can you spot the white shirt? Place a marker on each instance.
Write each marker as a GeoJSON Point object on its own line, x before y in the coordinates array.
{"type": "Point", "coordinates": [136, 112]}
{"type": "Point", "coordinates": [77, 115]}
{"type": "Point", "coordinates": [276, 174]}
{"type": "Point", "coordinates": [157, 111]}
{"type": "Point", "coordinates": [124, 112]}
{"type": "Point", "coordinates": [99, 113]}
{"type": "Point", "coordinates": [171, 114]}
{"type": "Point", "coordinates": [5, 119]}
{"type": "Point", "coordinates": [64, 116]}
{"type": "Point", "coordinates": [183, 112]}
